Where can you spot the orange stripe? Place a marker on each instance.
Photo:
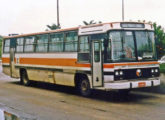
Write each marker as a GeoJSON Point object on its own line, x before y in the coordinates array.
{"type": "Point", "coordinates": [128, 64]}
{"type": "Point", "coordinates": [56, 62]}
{"type": "Point", "coordinates": [68, 62]}
{"type": "Point", "coordinates": [108, 66]}
{"type": "Point", "coordinates": [5, 60]}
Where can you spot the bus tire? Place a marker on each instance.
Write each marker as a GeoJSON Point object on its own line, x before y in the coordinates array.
{"type": "Point", "coordinates": [84, 87]}
{"type": "Point", "coordinates": [24, 78]}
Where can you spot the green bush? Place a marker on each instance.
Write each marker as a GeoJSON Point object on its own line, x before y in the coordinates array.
{"type": "Point", "coordinates": [162, 68]}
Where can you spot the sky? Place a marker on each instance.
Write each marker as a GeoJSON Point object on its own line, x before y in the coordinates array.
{"type": "Point", "coordinates": [28, 16]}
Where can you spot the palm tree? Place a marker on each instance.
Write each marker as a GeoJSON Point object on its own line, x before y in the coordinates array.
{"type": "Point", "coordinates": [91, 22]}
{"type": "Point", "coordinates": [53, 27]}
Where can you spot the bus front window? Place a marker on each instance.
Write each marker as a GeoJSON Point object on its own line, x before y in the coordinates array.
{"type": "Point", "coordinates": [145, 45]}
{"type": "Point", "coordinates": [123, 46]}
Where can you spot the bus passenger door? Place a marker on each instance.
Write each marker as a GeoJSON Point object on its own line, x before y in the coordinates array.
{"type": "Point", "coordinates": [97, 67]}
{"type": "Point", "coordinates": [12, 57]}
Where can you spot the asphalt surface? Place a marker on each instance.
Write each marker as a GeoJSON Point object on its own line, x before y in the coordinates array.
{"type": "Point", "coordinates": [51, 102]}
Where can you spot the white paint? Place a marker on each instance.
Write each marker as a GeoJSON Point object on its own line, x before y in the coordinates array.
{"type": "Point", "coordinates": [43, 55]}
{"type": "Point", "coordinates": [148, 26]}
{"type": "Point", "coordinates": [103, 28]}
{"type": "Point", "coordinates": [108, 70]}
{"type": "Point", "coordinates": [108, 78]}
{"type": "Point", "coordinates": [136, 66]}
{"type": "Point", "coordinates": [2, 117]}
{"type": "Point", "coordinates": [94, 29]}
{"type": "Point", "coordinates": [116, 26]}
{"type": "Point", "coordinates": [5, 55]}
{"type": "Point", "coordinates": [126, 84]}
{"type": "Point", "coordinates": [123, 85]}
{"type": "Point", "coordinates": [135, 84]}
{"type": "Point", "coordinates": [55, 67]}
{"type": "Point", "coordinates": [90, 81]}
{"type": "Point", "coordinates": [47, 55]}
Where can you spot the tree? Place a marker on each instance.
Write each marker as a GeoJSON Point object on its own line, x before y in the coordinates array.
{"type": "Point", "coordinates": [53, 27]}
{"type": "Point", "coordinates": [160, 39]}
{"type": "Point", "coordinates": [91, 22]}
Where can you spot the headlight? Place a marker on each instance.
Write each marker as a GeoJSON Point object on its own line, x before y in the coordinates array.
{"type": "Point", "coordinates": [119, 75]}
{"type": "Point", "coordinates": [156, 70]}
{"type": "Point", "coordinates": [116, 73]}
{"type": "Point", "coordinates": [121, 72]}
{"type": "Point", "coordinates": [152, 70]}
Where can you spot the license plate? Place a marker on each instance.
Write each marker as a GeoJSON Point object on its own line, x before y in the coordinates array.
{"type": "Point", "coordinates": [141, 84]}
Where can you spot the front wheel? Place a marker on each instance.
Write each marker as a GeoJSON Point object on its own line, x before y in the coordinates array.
{"type": "Point", "coordinates": [24, 78]}
{"type": "Point", "coordinates": [84, 87]}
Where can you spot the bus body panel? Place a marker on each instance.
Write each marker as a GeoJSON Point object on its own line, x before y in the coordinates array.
{"type": "Point", "coordinates": [62, 67]}
{"type": "Point", "coordinates": [64, 75]}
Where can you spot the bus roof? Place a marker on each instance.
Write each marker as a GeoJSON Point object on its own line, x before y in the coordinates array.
{"type": "Point", "coordinates": [111, 25]}
{"type": "Point", "coordinates": [39, 33]}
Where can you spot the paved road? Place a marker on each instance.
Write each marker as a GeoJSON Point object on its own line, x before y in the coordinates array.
{"type": "Point", "coordinates": [50, 102]}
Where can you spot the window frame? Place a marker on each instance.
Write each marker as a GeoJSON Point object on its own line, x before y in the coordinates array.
{"type": "Point", "coordinates": [54, 42]}
{"type": "Point", "coordinates": [89, 52]}
{"type": "Point", "coordinates": [19, 45]}
{"type": "Point", "coordinates": [134, 42]}
{"type": "Point", "coordinates": [4, 41]}
{"type": "Point", "coordinates": [36, 41]}
{"type": "Point", "coordinates": [34, 44]}
{"type": "Point", "coordinates": [65, 39]}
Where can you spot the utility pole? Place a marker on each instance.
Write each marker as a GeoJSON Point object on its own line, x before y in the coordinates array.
{"type": "Point", "coordinates": [123, 10]}
{"type": "Point", "coordinates": [58, 21]}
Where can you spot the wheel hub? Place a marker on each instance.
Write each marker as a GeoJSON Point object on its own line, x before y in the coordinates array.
{"type": "Point", "coordinates": [84, 86]}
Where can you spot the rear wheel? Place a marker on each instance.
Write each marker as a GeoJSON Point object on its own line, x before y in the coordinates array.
{"type": "Point", "coordinates": [24, 78]}
{"type": "Point", "coordinates": [84, 87]}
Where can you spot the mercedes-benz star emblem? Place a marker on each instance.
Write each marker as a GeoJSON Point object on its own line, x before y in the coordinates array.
{"type": "Point", "coordinates": [138, 72]}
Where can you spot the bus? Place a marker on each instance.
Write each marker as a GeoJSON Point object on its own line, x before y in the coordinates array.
{"type": "Point", "coordinates": [109, 56]}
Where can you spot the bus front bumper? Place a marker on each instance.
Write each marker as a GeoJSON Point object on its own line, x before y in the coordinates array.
{"type": "Point", "coordinates": [131, 84]}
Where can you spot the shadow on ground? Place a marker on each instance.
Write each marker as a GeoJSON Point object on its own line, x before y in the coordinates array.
{"type": "Point", "coordinates": [109, 96]}
{"type": "Point", "coordinates": [159, 89]}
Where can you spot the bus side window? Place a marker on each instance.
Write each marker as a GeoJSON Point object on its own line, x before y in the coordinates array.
{"type": "Point", "coordinates": [42, 43]}
{"type": "Point", "coordinates": [6, 46]}
{"type": "Point", "coordinates": [29, 44]}
{"type": "Point", "coordinates": [97, 51]}
{"type": "Point", "coordinates": [56, 42]}
{"type": "Point", "coordinates": [71, 41]}
{"type": "Point", "coordinates": [19, 46]}
{"type": "Point", "coordinates": [83, 52]}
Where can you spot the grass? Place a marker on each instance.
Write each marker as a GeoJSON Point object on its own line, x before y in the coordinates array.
{"type": "Point", "coordinates": [162, 68]}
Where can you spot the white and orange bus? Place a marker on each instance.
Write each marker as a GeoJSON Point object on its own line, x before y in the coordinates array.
{"type": "Point", "coordinates": [109, 56]}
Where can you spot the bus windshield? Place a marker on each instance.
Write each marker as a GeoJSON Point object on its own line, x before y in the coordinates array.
{"type": "Point", "coordinates": [132, 46]}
